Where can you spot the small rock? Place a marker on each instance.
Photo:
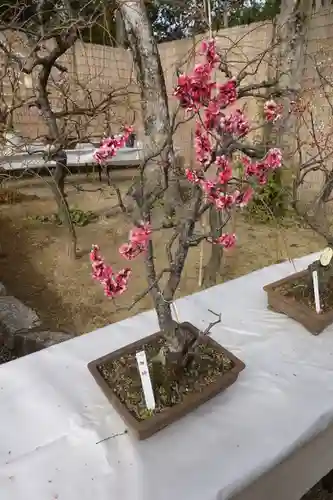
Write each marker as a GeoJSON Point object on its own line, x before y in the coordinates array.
{"type": "Point", "coordinates": [15, 316]}
{"type": "Point", "coordinates": [3, 290]}
{"type": "Point", "coordinates": [47, 338]}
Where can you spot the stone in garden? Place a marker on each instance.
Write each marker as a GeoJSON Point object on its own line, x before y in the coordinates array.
{"type": "Point", "coordinates": [47, 338]}
{"type": "Point", "coordinates": [2, 289]}
{"type": "Point", "coordinates": [15, 316]}
{"type": "Point", "coordinates": [29, 341]}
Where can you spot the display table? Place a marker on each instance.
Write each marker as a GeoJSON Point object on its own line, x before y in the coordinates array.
{"type": "Point", "coordinates": [268, 437]}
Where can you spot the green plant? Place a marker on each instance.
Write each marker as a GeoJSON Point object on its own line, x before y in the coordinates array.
{"type": "Point", "coordinates": [78, 217]}
{"type": "Point", "coordinates": [271, 200]}
{"type": "Point", "coordinates": [82, 218]}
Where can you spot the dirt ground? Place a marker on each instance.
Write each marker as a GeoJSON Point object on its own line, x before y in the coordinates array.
{"type": "Point", "coordinates": [36, 268]}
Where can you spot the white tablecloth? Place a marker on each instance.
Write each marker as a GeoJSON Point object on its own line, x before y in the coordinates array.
{"type": "Point", "coordinates": [53, 416]}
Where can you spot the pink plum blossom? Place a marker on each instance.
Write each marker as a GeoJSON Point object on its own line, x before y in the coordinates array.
{"type": "Point", "coordinates": [200, 95]}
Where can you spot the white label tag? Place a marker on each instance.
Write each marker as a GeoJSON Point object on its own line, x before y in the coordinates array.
{"type": "Point", "coordinates": [145, 380]}
{"type": "Point", "coordinates": [316, 291]}
{"type": "Point", "coordinates": [326, 256]}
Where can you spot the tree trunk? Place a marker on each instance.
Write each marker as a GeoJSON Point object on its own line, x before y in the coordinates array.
{"type": "Point", "coordinates": [120, 31]}
{"type": "Point", "coordinates": [154, 101]}
{"type": "Point", "coordinates": [43, 103]}
{"type": "Point", "coordinates": [291, 31]}
{"type": "Point", "coordinates": [175, 344]}
{"type": "Point", "coordinates": [286, 66]}
{"type": "Point", "coordinates": [146, 58]}
{"type": "Point", "coordinates": [226, 17]}
{"type": "Point", "coordinates": [213, 267]}
{"type": "Point", "coordinates": [58, 188]}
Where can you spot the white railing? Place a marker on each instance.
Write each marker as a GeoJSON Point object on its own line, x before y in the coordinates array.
{"type": "Point", "coordinates": [33, 157]}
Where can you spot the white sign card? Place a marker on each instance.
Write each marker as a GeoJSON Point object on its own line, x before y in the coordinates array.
{"type": "Point", "coordinates": [147, 387]}
{"type": "Point", "coordinates": [316, 291]}
{"type": "Point", "coordinates": [326, 256]}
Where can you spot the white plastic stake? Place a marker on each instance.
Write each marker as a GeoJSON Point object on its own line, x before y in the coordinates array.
{"type": "Point", "coordinates": [316, 291]}
{"type": "Point", "coordinates": [326, 257]}
{"type": "Point", "coordinates": [175, 310]}
{"type": "Point", "coordinates": [145, 380]}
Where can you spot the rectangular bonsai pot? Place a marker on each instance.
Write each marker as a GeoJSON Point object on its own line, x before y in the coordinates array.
{"type": "Point", "coordinates": [313, 322]}
{"type": "Point", "coordinates": [146, 428]}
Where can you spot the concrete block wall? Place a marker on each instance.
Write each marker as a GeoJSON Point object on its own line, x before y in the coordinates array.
{"type": "Point", "coordinates": [317, 86]}
{"type": "Point", "coordinates": [100, 69]}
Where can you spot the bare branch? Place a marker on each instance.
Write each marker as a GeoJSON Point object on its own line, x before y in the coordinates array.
{"type": "Point", "coordinates": [212, 323]}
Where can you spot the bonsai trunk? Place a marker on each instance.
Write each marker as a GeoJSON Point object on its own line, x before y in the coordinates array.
{"type": "Point", "coordinates": [162, 307]}
{"type": "Point", "coordinates": [178, 344]}
{"type": "Point", "coordinates": [167, 324]}
{"type": "Point", "coordinates": [214, 265]}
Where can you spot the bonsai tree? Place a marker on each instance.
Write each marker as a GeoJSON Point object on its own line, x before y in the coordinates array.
{"type": "Point", "coordinates": [220, 138]}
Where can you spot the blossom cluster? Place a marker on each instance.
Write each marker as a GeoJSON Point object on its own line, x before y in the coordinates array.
{"type": "Point", "coordinates": [110, 145]}
{"type": "Point", "coordinates": [272, 111]}
{"type": "Point", "coordinates": [199, 94]}
{"type": "Point", "coordinates": [114, 283]}
{"type": "Point", "coordinates": [138, 241]}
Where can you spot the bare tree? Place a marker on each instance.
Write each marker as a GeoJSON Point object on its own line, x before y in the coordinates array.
{"type": "Point", "coordinates": [34, 40]}
{"type": "Point", "coordinates": [45, 38]}
{"type": "Point", "coordinates": [313, 158]}
{"type": "Point", "coordinates": [154, 100]}
{"type": "Point", "coordinates": [285, 58]}
{"type": "Point", "coordinates": [11, 97]}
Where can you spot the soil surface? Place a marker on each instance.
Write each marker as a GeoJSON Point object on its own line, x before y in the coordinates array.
{"type": "Point", "coordinates": [317, 493]}
{"type": "Point", "coordinates": [302, 291]}
{"type": "Point", "coordinates": [170, 386]}
{"type": "Point", "coordinates": [35, 266]}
